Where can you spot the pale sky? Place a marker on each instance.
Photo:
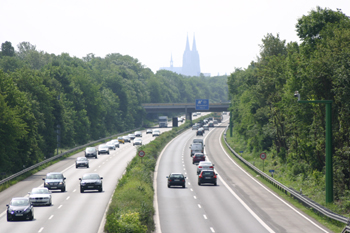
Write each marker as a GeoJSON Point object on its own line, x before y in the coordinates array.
{"type": "Point", "coordinates": [228, 33]}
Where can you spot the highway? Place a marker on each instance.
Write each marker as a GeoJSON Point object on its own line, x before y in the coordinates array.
{"type": "Point", "coordinates": [239, 203]}
{"type": "Point", "coordinates": [71, 211]}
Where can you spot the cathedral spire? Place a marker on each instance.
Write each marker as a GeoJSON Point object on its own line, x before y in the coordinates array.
{"type": "Point", "coordinates": [187, 45]}
{"type": "Point", "coordinates": [171, 60]}
{"type": "Point", "coordinates": [194, 47]}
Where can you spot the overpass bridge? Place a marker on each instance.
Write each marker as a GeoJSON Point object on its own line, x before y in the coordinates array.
{"type": "Point", "coordinates": [187, 108]}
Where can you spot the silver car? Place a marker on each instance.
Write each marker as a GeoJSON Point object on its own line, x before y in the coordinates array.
{"type": "Point", "coordinates": [204, 165]}
{"type": "Point", "coordinates": [111, 145]}
{"type": "Point", "coordinates": [40, 196]}
{"type": "Point", "coordinates": [115, 142]}
{"type": "Point", "coordinates": [81, 162]}
{"type": "Point", "coordinates": [103, 149]}
{"type": "Point", "coordinates": [138, 134]}
{"type": "Point", "coordinates": [137, 141]}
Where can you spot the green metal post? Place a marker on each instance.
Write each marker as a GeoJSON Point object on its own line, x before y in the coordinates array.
{"type": "Point", "coordinates": [231, 124]}
{"type": "Point", "coordinates": [329, 160]}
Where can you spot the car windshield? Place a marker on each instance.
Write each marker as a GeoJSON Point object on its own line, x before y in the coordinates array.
{"type": "Point", "coordinates": [138, 140]}
{"type": "Point", "coordinates": [176, 176]}
{"type": "Point", "coordinates": [40, 191]}
{"type": "Point", "coordinates": [54, 176]}
{"type": "Point", "coordinates": [110, 143]}
{"type": "Point", "coordinates": [20, 202]}
{"type": "Point", "coordinates": [90, 149]}
{"type": "Point", "coordinates": [199, 155]}
{"type": "Point", "coordinates": [138, 132]}
{"type": "Point", "coordinates": [91, 177]}
{"type": "Point", "coordinates": [103, 146]}
{"type": "Point", "coordinates": [81, 159]}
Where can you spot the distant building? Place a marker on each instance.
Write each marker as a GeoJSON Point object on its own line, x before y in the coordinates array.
{"type": "Point", "coordinates": [190, 61]}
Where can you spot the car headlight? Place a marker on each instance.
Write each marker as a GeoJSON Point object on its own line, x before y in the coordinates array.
{"type": "Point", "coordinates": [82, 183]}
{"type": "Point", "coordinates": [11, 211]}
{"type": "Point", "coordinates": [61, 183]}
{"type": "Point", "coordinates": [46, 183]}
{"type": "Point", "coordinates": [27, 210]}
{"type": "Point", "coordinates": [98, 182]}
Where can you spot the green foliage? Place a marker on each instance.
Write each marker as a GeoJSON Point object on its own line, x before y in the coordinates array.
{"type": "Point", "coordinates": [267, 116]}
{"type": "Point", "coordinates": [7, 49]}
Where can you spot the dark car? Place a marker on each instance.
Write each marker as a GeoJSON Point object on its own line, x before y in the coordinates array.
{"type": "Point", "coordinates": [103, 149]}
{"type": "Point", "coordinates": [81, 162]}
{"type": "Point", "coordinates": [197, 157]}
{"type": "Point", "coordinates": [54, 181]}
{"type": "Point", "coordinates": [207, 176]}
{"type": "Point", "coordinates": [200, 131]}
{"type": "Point", "coordinates": [176, 179]}
{"type": "Point", "coordinates": [91, 181]}
{"type": "Point", "coordinates": [91, 152]}
{"type": "Point", "coordinates": [20, 208]}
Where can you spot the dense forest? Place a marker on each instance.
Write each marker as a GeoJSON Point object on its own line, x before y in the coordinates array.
{"type": "Point", "coordinates": [84, 99]}
{"type": "Point", "coordinates": [268, 117]}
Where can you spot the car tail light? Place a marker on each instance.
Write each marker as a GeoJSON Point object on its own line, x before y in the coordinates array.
{"type": "Point", "coordinates": [214, 176]}
{"type": "Point", "coordinates": [200, 176]}
{"type": "Point", "coordinates": [200, 167]}
{"type": "Point", "coordinates": [211, 167]}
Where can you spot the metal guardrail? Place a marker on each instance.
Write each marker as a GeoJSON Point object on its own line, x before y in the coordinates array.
{"type": "Point", "coordinates": [58, 156]}
{"type": "Point", "coordinates": [303, 199]}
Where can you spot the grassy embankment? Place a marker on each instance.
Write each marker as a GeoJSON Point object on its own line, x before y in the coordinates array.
{"type": "Point", "coordinates": [131, 208]}
{"type": "Point", "coordinates": [312, 186]}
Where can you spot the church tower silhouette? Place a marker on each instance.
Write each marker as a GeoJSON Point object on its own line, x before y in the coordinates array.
{"type": "Point", "coordinates": [190, 61]}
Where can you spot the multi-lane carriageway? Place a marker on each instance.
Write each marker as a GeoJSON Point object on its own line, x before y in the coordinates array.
{"type": "Point", "coordinates": [238, 204]}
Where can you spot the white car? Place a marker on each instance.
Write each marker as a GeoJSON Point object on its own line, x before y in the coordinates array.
{"type": "Point", "coordinates": [138, 134]}
{"type": "Point", "coordinates": [103, 149]}
{"type": "Point", "coordinates": [155, 132]}
{"type": "Point", "coordinates": [40, 196]}
{"type": "Point", "coordinates": [111, 145]}
{"type": "Point", "coordinates": [137, 141]}
{"type": "Point", "coordinates": [115, 142]}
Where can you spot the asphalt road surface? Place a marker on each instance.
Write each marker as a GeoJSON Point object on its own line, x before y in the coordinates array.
{"type": "Point", "coordinates": [239, 203]}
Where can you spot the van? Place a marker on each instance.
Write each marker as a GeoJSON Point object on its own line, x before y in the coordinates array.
{"type": "Point", "coordinates": [196, 148]}
{"type": "Point", "coordinates": [198, 140]}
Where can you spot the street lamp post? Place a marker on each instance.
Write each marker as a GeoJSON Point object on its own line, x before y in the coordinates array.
{"type": "Point", "coordinates": [329, 162]}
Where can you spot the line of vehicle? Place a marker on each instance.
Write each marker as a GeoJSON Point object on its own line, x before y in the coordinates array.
{"type": "Point", "coordinates": [199, 206]}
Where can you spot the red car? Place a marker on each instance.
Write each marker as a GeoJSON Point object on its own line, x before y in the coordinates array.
{"type": "Point", "coordinates": [198, 157]}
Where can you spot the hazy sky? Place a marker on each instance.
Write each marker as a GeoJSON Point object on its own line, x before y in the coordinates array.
{"type": "Point", "coordinates": [228, 33]}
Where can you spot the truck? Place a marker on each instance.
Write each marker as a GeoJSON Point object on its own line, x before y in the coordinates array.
{"type": "Point", "coordinates": [163, 121]}
{"type": "Point", "coordinates": [218, 116]}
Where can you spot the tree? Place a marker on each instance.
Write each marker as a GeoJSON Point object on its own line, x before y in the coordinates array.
{"type": "Point", "coordinates": [7, 49]}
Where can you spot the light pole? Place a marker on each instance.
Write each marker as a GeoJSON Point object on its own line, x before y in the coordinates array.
{"type": "Point", "coordinates": [329, 162]}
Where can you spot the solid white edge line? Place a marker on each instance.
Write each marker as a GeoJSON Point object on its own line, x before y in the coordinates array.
{"type": "Point", "coordinates": [264, 188]}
